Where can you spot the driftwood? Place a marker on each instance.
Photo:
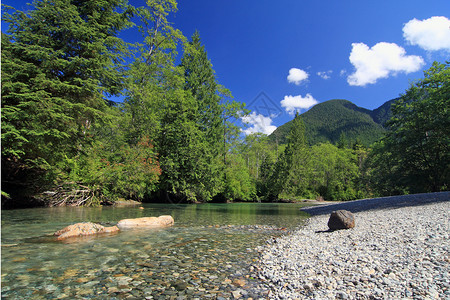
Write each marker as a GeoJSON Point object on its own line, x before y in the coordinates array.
{"type": "Point", "coordinates": [73, 194]}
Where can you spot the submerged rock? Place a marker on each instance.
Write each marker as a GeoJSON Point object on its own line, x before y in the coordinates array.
{"type": "Point", "coordinates": [83, 229]}
{"type": "Point", "coordinates": [180, 285]}
{"type": "Point", "coordinates": [161, 221]}
{"type": "Point", "coordinates": [124, 203]}
{"type": "Point", "coordinates": [341, 219]}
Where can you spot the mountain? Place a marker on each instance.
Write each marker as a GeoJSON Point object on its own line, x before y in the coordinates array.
{"type": "Point", "coordinates": [383, 113]}
{"type": "Point", "coordinates": [327, 121]}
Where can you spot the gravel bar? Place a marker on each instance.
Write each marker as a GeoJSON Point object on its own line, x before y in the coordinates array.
{"type": "Point", "coordinates": [399, 249]}
{"type": "Point", "coordinates": [380, 203]}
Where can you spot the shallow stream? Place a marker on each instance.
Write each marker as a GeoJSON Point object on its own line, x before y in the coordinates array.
{"type": "Point", "coordinates": [208, 253]}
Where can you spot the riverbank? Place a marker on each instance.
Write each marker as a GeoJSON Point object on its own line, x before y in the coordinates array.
{"type": "Point", "coordinates": [399, 248]}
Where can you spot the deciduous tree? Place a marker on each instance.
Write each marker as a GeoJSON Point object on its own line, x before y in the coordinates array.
{"type": "Point", "coordinates": [415, 154]}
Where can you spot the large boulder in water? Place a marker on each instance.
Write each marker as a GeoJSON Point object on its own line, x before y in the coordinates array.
{"type": "Point", "coordinates": [161, 221]}
{"type": "Point", "coordinates": [83, 229]}
{"type": "Point", "coordinates": [341, 219]}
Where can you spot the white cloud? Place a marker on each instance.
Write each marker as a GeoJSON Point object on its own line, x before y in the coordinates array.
{"type": "Point", "coordinates": [431, 34]}
{"type": "Point", "coordinates": [297, 103]}
{"type": "Point", "coordinates": [325, 74]}
{"type": "Point", "coordinates": [259, 123]}
{"type": "Point", "coordinates": [296, 76]}
{"type": "Point", "coordinates": [380, 61]}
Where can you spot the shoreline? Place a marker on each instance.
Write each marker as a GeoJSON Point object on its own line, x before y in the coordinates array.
{"type": "Point", "coordinates": [399, 248]}
{"type": "Point", "coordinates": [379, 203]}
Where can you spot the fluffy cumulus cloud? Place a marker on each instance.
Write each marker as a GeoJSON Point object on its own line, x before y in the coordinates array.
{"type": "Point", "coordinates": [380, 61]}
{"type": "Point", "coordinates": [431, 34]}
{"type": "Point", "coordinates": [293, 104]}
{"type": "Point", "coordinates": [258, 123]}
{"type": "Point", "coordinates": [325, 74]}
{"type": "Point", "coordinates": [296, 76]}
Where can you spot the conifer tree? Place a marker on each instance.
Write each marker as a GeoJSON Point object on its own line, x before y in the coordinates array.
{"type": "Point", "coordinates": [291, 171]}
{"type": "Point", "coordinates": [58, 61]}
{"type": "Point", "coordinates": [201, 83]}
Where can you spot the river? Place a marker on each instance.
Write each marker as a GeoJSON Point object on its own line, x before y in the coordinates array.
{"type": "Point", "coordinates": [208, 253]}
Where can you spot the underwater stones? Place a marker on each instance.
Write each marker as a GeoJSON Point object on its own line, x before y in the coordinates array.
{"type": "Point", "coordinates": [161, 221]}
{"type": "Point", "coordinates": [186, 272]}
{"type": "Point", "coordinates": [239, 282]}
{"type": "Point", "coordinates": [180, 285]}
{"type": "Point", "coordinates": [83, 229]}
{"type": "Point", "coordinates": [124, 203]}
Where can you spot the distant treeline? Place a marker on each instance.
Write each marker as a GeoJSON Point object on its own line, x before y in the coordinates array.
{"type": "Point", "coordinates": [173, 136]}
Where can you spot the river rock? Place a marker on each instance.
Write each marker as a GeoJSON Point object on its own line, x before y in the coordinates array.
{"type": "Point", "coordinates": [341, 219]}
{"type": "Point", "coordinates": [180, 285]}
{"type": "Point", "coordinates": [83, 229]}
{"type": "Point", "coordinates": [123, 203]}
{"type": "Point", "coordinates": [161, 221]}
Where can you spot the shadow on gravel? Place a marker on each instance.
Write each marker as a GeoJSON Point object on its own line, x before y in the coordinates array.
{"type": "Point", "coordinates": [325, 231]}
{"type": "Point", "coordinates": [379, 203]}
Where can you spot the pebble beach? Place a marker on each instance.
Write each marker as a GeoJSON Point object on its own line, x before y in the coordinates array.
{"type": "Point", "coordinates": [399, 249]}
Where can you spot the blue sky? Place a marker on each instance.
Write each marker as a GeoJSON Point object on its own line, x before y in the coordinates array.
{"type": "Point", "coordinates": [289, 55]}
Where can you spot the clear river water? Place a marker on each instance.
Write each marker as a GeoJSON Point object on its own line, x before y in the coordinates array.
{"type": "Point", "coordinates": [208, 253]}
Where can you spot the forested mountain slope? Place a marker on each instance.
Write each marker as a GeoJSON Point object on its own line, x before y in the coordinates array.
{"type": "Point", "coordinates": [383, 113]}
{"type": "Point", "coordinates": [333, 119]}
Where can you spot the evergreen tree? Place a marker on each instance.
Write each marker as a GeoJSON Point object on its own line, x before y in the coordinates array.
{"type": "Point", "coordinates": [158, 105]}
{"type": "Point", "coordinates": [180, 148]}
{"type": "Point", "coordinates": [201, 83]}
{"type": "Point", "coordinates": [342, 142]}
{"type": "Point", "coordinates": [291, 171]}
{"type": "Point", "coordinates": [58, 61]}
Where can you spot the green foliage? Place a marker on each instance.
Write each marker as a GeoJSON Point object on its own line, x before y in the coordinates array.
{"type": "Point", "coordinates": [265, 187]}
{"type": "Point", "coordinates": [130, 172]}
{"type": "Point", "coordinates": [302, 171]}
{"type": "Point", "coordinates": [383, 113]}
{"type": "Point", "coordinates": [238, 182]}
{"type": "Point", "coordinates": [383, 177]}
{"type": "Point", "coordinates": [175, 132]}
{"type": "Point", "coordinates": [179, 106]}
{"type": "Point", "coordinates": [231, 111]}
{"type": "Point", "coordinates": [257, 153]}
{"type": "Point", "coordinates": [206, 127]}
{"type": "Point", "coordinates": [152, 72]}
{"type": "Point", "coordinates": [201, 82]}
{"type": "Point", "coordinates": [335, 172]}
{"type": "Point", "coordinates": [180, 147]}
{"type": "Point", "coordinates": [57, 62]}
{"type": "Point", "coordinates": [327, 121]}
{"type": "Point", "coordinates": [256, 149]}
{"type": "Point", "coordinates": [414, 155]}
{"type": "Point", "coordinates": [291, 169]}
